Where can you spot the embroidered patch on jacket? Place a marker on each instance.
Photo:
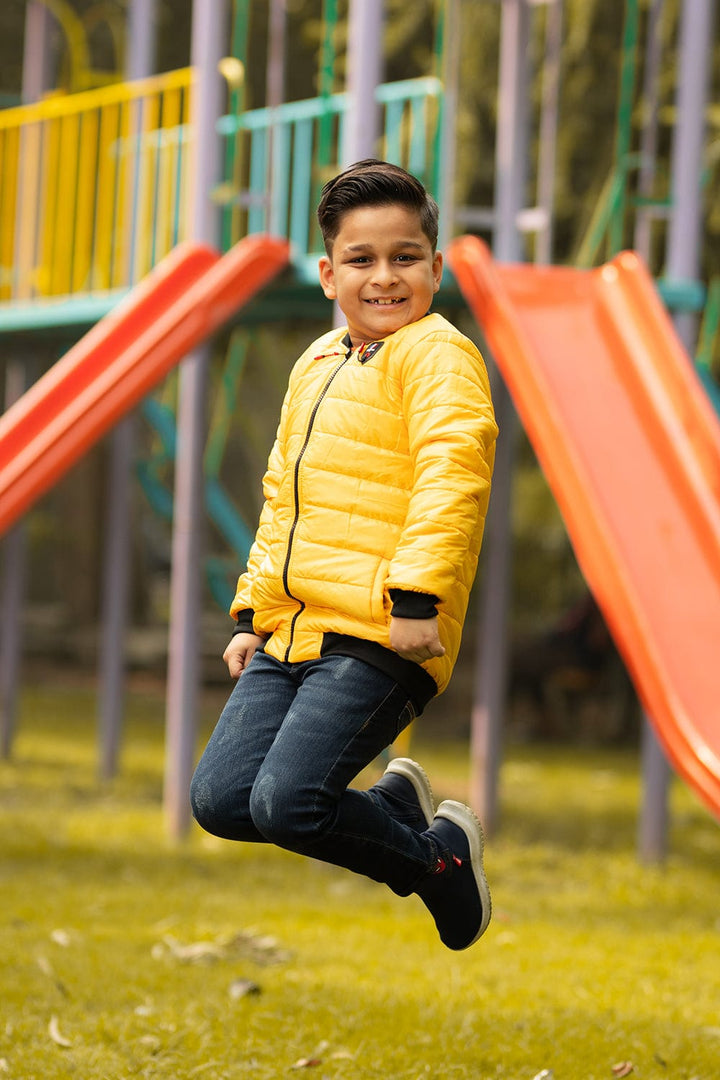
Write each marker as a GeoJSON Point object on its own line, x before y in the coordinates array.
{"type": "Point", "coordinates": [368, 351]}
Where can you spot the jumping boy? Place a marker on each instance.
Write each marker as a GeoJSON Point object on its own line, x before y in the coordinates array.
{"type": "Point", "coordinates": [350, 612]}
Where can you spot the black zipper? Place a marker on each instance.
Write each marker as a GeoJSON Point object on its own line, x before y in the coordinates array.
{"type": "Point", "coordinates": [296, 491]}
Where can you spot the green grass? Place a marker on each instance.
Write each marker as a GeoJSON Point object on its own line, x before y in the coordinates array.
{"type": "Point", "coordinates": [131, 949]}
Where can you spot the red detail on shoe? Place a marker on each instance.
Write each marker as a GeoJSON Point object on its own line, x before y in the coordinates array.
{"type": "Point", "coordinates": [441, 865]}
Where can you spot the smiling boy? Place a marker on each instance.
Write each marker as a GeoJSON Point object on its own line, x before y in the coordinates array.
{"type": "Point", "coordinates": [382, 270]}
{"type": "Point", "coordinates": [350, 612]}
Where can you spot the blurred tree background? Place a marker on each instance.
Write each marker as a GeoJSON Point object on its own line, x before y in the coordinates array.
{"type": "Point", "coordinates": [66, 567]}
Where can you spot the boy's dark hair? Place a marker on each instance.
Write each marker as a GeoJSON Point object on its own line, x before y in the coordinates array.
{"type": "Point", "coordinates": [374, 183]}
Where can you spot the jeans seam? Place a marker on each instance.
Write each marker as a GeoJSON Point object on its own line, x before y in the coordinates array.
{"type": "Point", "coordinates": [348, 741]}
{"type": "Point", "coordinates": [381, 844]}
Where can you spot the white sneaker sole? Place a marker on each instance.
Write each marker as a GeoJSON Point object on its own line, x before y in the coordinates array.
{"type": "Point", "coordinates": [418, 778]}
{"type": "Point", "coordinates": [466, 819]}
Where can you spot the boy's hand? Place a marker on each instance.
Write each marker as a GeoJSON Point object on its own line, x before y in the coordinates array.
{"type": "Point", "coordinates": [240, 652]}
{"type": "Point", "coordinates": [416, 639]}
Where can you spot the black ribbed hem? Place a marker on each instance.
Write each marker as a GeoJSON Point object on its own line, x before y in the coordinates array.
{"type": "Point", "coordinates": [420, 687]}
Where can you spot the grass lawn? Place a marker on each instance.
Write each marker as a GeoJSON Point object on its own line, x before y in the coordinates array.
{"type": "Point", "coordinates": [125, 955]}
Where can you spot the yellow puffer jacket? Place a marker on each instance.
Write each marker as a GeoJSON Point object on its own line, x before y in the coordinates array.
{"type": "Point", "coordinates": [379, 479]}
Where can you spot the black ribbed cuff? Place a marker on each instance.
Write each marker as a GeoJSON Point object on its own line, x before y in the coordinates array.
{"type": "Point", "coordinates": [413, 605]}
{"type": "Point", "coordinates": [244, 622]}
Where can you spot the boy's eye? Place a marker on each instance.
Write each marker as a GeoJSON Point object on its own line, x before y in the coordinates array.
{"type": "Point", "coordinates": [406, 258]}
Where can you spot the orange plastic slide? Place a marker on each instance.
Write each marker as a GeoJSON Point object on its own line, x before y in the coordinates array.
{"type": "Point", "coordinates": [631, 449]}
{"type": "Point", "coordinates": [188, 296]}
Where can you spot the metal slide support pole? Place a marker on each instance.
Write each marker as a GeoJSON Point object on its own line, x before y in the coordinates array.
{"type": "Point", "coordinates": [364, 74]}
{"type": "Point", "coordinates": [684, 234]}
{"type": "Point", "coordinates": [642, 240]}
{"type": "Point", "coordinates": [491, 660]}
{"type": "Point", "coordinates": [140, 61]}
{"type": "Point", "coordinates": [13, 589]}
{"type": "Point", "coordinates": [210, 31]}
{"type": "Point", "coordinates": [274, 96]}
{"type": "Point", "coordinates": [114, 603]}
{"type": "Point", "coordinates": [547, 151]}
{"type": "Point", "coordinates": [36, 54]}
{"type": "Point", "coordinates": [450, 78]}
{"type": "Point", "coordinates": [141, 39]}
{"type": "Point", "coordinates": [683, 263]}
{"type": "Point", "coordinates": [34, 83]}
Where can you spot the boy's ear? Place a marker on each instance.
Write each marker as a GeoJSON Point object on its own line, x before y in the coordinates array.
{"type": "Point", "coordinates": [437, 268]}
{"type": "Point", "coordinates": [327, 278]}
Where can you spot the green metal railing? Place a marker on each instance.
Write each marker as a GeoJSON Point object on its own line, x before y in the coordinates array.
{"type": "Point", "coordinates": [273, 178]}
{"type": "Point", "coordinates": [605, 234]}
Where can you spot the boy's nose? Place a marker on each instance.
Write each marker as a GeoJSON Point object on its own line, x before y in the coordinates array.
{"type": "Point", "coordinates": [385, 273]}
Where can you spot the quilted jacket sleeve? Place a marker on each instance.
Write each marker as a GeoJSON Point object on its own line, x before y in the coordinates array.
{"type": "Point", "coordinates": [452, 432]}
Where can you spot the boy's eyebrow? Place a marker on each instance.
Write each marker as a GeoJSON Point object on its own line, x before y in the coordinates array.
{"type": "Point", "coordinates": [400, 244]}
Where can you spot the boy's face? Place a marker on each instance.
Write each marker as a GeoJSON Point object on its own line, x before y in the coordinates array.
{"type": "Point", "coordinates": [382, 272]}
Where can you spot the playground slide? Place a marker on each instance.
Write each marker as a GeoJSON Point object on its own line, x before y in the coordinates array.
{"type": "Point", "coordinates": [630, 446]}
{"type": "Point", "coordinates": [188, 296]}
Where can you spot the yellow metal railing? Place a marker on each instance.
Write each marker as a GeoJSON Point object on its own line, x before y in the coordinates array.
{"type": "Point", "coordinates": [93, 186]}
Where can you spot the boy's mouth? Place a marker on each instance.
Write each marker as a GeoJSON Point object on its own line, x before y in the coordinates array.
{"type": "Point", "coordinates": [387, 301]}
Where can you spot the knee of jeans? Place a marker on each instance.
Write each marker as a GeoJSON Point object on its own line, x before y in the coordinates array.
{"type": "Point", "coordinates": [282, 815]}
{"type": "Point", "coordinates": [211, 807]}
{"type": "Point", "coordinates": [202, 802]}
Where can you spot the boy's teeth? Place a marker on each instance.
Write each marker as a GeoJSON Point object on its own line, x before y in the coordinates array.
{"type": "Point", "coordinates": [384, 303]}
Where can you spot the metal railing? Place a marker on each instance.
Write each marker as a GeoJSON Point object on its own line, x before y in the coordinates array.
{"type": "Point", "coordinates": [92, 187]}
{"type": "Point", "coordinates": [278, 159]}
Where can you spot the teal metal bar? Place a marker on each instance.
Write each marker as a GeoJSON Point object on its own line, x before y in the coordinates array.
{"type": "Point", "coordinates": [393, 131]}
{"type": "Point", "coordinates": [406, 89]}
{"type": "Point", "coordinates": [85, 310]}
{"type": "Point", "coordinates": [710, 327]}
{"type": "Point", "coordinates": [301, 185]}
{"type": "Point", "coordinates": [179, 174]}
{"type": "Point", "coordinates": [257, 213]}
{"type": "Point", "coordinates": [279, 185]}
{"type": "Point", "coordinates": [418, 156]}
{"type": "Point", "coordinates": [403, 90]}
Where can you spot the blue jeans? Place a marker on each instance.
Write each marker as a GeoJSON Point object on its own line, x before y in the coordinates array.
{"type": "Point", "coordinates": [289, 741]}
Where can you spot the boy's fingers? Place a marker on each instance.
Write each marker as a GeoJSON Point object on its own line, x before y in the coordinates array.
{"type": "Point", "coordinates": [426, 652]}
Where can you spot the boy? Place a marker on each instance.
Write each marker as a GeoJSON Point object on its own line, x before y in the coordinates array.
{"type": "Point", "coordinates": [350, 612]}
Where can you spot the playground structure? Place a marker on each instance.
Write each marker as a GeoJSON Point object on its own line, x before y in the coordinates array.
{"type": "Point", "coordinates": [152, 163]}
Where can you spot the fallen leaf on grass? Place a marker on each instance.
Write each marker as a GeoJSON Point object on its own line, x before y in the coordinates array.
{"type": "Point", "coordinates": [54, 1033]}
{"type": "Point", "coordinates": [242, 987]}
{"type": "Point", "coordinates": [260, 949]}
{"type": "Point", "coordinates": [197, 952]}
{"type": "Point", "coordinates": [623, 1068]}
{"type": "Point", "coordinates": [151, 1043]}
{"type": "Point", "coordinates": [320, 1054]}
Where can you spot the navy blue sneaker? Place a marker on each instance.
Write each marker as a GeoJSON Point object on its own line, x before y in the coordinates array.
{"type": "Point", "coordinates": [456, 893]}
{"type": "Point", "coordinates": [404, 792]}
